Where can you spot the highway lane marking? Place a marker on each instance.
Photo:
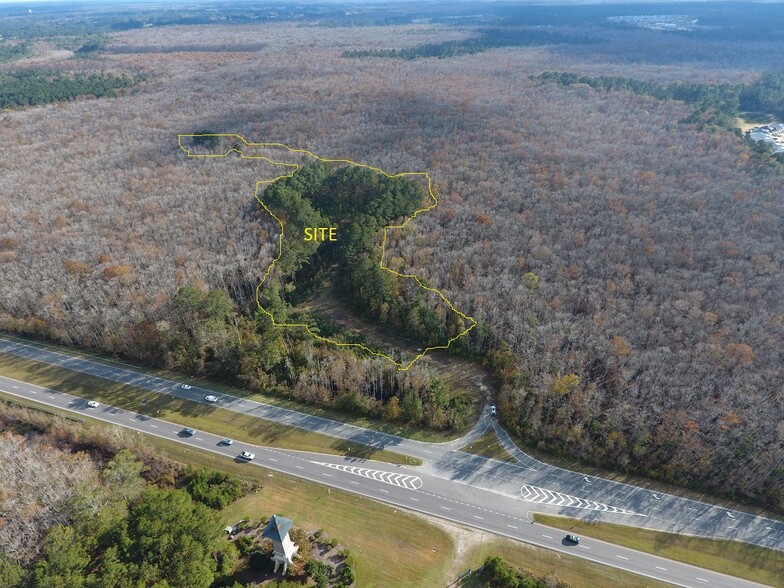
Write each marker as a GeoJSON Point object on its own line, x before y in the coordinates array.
{"type": "Point", "coordinates": [52, 397]}
{"type": "Point", "coordinates": [621, 557]}
{"type": "Point", "coordinates": [548, 536]}
{"type": "Point", "coordinates": [272, 459]}
{"type": "Point", "coordinates": [406, 481]}
{"type": "Point", "coordinates": [355, 483]}
{"type": "Point", "coordinates": [387, 491]}
{"type": "Point", "coordinates": [15, 387]}
{"type": "Point", "coordinates": [199, 439]}
{"type": "Point", "coordinates": [154, 426]}
{"type": "Point", "coordinates": [446, 508]}
{"type": "Point", "coordinates": [510, 526]}
{"type": "Point", "coordinates": [661, 568]}
{"type": "Point", "coordinates": [426, 451]}
{"type": "Point", "coordinates": [33, 392]}
{"type": "Point", "coordinates": [544, 496]}
{"type": "Point", "coordinates": [702, 579]}
{"type": "Point", "coordinates": [414, 499]}
{"type": "Point", "coordinates": [299, 467]}
{"type": "Point", "coordinates": [328, 475]}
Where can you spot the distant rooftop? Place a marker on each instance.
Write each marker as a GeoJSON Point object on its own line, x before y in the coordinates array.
{"type": "Point", "coordinates": [772, 134]}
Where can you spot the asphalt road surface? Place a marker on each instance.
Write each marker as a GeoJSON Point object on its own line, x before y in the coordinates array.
{"type": "Point", "coordinates": [469, 489]}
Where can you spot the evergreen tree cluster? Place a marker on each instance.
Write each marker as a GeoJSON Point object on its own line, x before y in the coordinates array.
{"type": "Point", "coordinates": [496, 573]}
{"type": "Point", "coordinates": [125, 533]}
{"type": "Point", "coordinates": [33, 87]}
{"type": "Point", "coordinates": [488, 39]}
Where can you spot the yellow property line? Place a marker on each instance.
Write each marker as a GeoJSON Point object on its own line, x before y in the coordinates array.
{"type": "Point", "coordinates": [400, 366]}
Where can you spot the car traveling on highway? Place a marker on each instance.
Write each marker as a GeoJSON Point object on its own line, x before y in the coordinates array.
{"type": "Point", "coordinates": [93, 404]}
{"type": "Point", "coordinates": [186, 386]}
{"type": "Point", "coordinates": [211, 398]}
{"type": "Point", "coordinates": [226, 441]}
{"type": "Point", "coordinates": [572, 538]}
{"type": "Point", "coordinates": [247, 455]}
{"type": "Point", "coordinates": [188, 431]}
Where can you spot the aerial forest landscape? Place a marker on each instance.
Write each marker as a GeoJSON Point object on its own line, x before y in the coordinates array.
{"type": "Point", "coordinates": [605, 260]}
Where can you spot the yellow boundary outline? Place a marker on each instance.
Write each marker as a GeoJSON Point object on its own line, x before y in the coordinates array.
{"type": "Point", "coordinates": [296, 166]}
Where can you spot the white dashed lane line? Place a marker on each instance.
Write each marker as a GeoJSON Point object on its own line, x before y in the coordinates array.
{"type": "Point", "coordinates": [480, 518]}
{"type": "Point", "coordinates": [154, 426]}
{"type": "Point", "coordinates": [385, 491]}
{"type": "Point", "coordinates": [510, 526]}
{"type": "Point", "coordinates": [621, 557]}
{"type": "Point", "coordinates": [299, 467]}
{"type": "Point", "coordinates": [446, 508]}
{"type": "Point", "coordinates": [702, 579]}
{"type": "Point", "coordinates": [661, 568]}
{"type": "Point", "coordinates": [548, 536]}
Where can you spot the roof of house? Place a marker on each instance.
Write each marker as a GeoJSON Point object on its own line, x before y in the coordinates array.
{"type": "Point", "coordinates": [277, 528]}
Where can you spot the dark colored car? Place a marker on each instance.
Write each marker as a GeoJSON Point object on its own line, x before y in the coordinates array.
{"type": "Point", "coordinates": [189, 432]}
{"type": "Point", "coordinates": [572, 538]}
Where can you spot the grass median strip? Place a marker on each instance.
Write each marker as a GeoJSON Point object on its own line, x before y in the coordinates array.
{"type": "Point", "coordinates": [488, 445]}
{"type": "Point", "coordinates": [193, 414]}
{"type": "Point", "coordinates": [728, 557]}
{"type": "Point", "coordinates": [391, 428]}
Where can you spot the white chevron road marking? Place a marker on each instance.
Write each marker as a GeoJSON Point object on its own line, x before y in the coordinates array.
{"type": "Point", "coordinates": [395, 479]}
{"type": "Point", "coordinates": [544, 496]}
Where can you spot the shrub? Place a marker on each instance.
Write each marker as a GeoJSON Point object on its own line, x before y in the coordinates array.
{"type": "Point", "coordinates": [215, 489]}
{"type": "Point", "coordinates": [244, 545]}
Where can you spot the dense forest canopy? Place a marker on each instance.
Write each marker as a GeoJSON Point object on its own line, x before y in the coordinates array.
{"type": "Point", "coordinates": [34, 87]}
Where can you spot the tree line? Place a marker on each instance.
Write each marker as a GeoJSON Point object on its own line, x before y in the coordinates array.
{"type": "Point", "coordinates": [486, 39]}
{"type": "Point", "coordinates": [33, 87]}
{"type": "Point", "coordinates": [716, 105]}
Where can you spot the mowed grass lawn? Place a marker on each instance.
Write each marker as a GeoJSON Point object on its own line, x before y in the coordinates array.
{"type": "Point", "coordinates": [575, 571]}
{"type": "Point", "coordinates": [729, 557]}
{"type": "Point", "coordinates": [192, 414]}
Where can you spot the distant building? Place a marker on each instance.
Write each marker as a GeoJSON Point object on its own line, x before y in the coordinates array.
{"type": "Point", "coordinates": [284, 550]}
{"type": "Point", "coordinates": [773, 134]}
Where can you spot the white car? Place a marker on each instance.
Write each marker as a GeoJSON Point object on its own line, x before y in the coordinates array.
{"type": "Point", "coordinates": [186, 386]}
{"type": "Point", "coordinates": [247, 455]}
{"type": "Point", "coordinates": [93, 404]}
{"type": "Point", "coordinates": [492, 410]}
{"type": "Point", "coordinates": [211, 398]}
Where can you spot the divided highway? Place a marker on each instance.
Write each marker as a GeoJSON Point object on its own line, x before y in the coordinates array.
{"type": "Point", "coordinates": [469, 489]}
